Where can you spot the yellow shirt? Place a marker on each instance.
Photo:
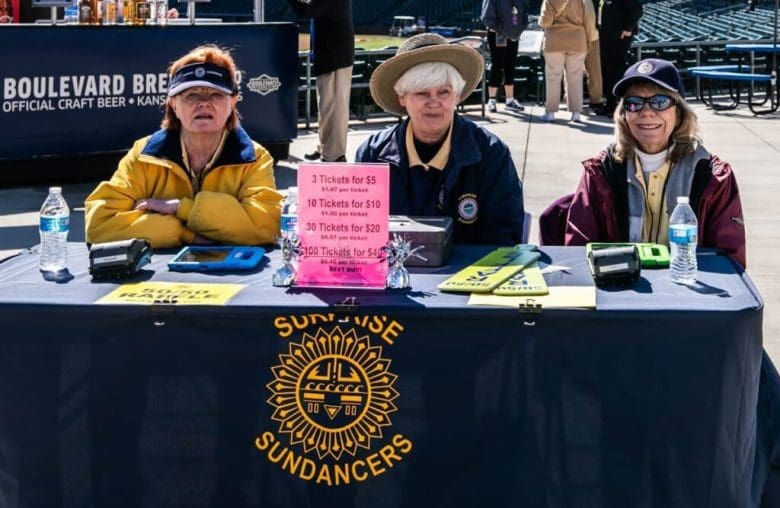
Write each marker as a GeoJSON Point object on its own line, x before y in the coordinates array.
{"type": "Point", "coordinates": [439, 160]}
{"type": "Point", "coordinates": [655, 228]}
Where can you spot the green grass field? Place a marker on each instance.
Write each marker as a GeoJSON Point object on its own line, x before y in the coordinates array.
{"type": "Point", "coordinates": [361, 41]}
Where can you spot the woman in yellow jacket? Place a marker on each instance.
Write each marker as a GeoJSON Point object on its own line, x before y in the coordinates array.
{"type": "Point", "coordinates": [200, 179]}
{"type": "Point", "coordinates": [569, 26]}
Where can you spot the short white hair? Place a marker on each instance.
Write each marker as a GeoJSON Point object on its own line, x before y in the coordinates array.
{"type": "Point", "coordinates": [428, 75]}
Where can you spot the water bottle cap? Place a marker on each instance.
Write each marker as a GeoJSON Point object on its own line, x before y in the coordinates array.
{"type": "Point", "coordinates": [683, 200]}
{"type": "Point", "coordinates": [55, 190]}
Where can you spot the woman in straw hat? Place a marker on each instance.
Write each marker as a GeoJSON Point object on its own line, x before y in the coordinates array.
{"type": "Point", "coordinates": [440, 163]}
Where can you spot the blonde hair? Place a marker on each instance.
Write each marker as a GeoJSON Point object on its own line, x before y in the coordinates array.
{"type": "Point", "coordinates": [429, 75]}
{"type": "Point", "coordinates": [207, 53]}
{"type": "Point", "coordinates": [684, 138]}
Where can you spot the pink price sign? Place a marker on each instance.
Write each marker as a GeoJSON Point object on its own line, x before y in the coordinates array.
{"type": "Point", "coordinates": [343, 214]}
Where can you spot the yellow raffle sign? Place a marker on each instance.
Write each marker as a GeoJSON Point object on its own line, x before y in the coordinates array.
{"type": "Point", "coordinates": [172, 293]}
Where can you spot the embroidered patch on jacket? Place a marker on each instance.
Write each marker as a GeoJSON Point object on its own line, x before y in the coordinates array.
{"type": "Point", "coordinates": [468, 208]}
{"type": "Point", "coordinates": [739, 220]}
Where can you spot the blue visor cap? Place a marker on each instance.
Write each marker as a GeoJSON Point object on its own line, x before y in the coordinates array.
{"type": "Point", "coordinates": [655, 70]}
{"type": "Point", "coordinates": [201, 74]}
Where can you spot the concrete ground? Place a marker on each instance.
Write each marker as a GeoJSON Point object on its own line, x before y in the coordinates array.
{"type": "Point", "coordinates": [547, 157]}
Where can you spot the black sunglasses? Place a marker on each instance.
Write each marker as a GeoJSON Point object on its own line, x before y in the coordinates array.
{"type": "Point", "coordinates": [657, 102]}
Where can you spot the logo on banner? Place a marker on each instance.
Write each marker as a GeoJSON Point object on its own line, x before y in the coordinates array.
{"type": "Point", "coordinates": [333, 395]}
{"type": "Point", "coordinates": [264, 84]}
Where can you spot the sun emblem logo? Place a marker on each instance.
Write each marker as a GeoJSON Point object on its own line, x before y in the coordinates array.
{"type": "Point", "coordinates": [332, 392]}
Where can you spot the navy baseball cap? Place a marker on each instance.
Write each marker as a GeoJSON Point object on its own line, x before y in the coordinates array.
{"type": "Point", "coordinates": [201, 74]}
{"type": "Point", "coordinates": [655, 70]}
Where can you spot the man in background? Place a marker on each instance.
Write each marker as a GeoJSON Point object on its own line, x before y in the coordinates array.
{"type": "Point", "coordinates": [332, 53]}
{"type": "Point", "coordinates": [617, 21]}
{"type": "Point", "coordinates": [593, 71]}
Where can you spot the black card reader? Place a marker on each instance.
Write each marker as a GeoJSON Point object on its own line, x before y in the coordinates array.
{"type": "Point", "coordinates": [615, 266]}
{"type": "Point", "coordinates": [117, 260]}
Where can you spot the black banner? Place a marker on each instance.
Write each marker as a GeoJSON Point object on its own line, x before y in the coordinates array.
{"type": "Point", "coordinates": [70, 90]}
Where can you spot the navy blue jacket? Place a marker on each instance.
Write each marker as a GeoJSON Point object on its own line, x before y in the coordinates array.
{"type": "Point", "coordinates": [480, 190]}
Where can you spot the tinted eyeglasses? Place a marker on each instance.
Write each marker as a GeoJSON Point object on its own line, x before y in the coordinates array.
{"type": "Point", "coordinates": [659, 102]}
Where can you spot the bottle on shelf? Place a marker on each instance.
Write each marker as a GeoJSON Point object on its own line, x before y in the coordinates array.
{"type": "Point", "coordinates": [109, 12]}
{"type": "Point", "coordinates": [683, 238]}
{"type": "Point", "coordinates": [85, 12]}
{"type": "Point", "coordinates": [141, 11]}
{"type": "Point", "coordinates": [162, 12]}
{"type": "Point", "coordinates": [289, 221]}
{"type": "Point", "coordinates": [95, 12]}
{"type": "Point", "coordinates": [152, 19]}
{"type": "Point", "coordinates": [128, 12]}
{"type": "Point", "coordinates": [71, 13]}
{"type": "Point", "coordinates": [53, 226]}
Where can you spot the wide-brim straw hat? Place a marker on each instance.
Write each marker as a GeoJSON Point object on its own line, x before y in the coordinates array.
{"type": "Point", "coordinates": [423, 48]}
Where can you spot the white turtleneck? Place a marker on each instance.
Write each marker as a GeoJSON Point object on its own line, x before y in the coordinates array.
{"type": "Point", "coordinates": [651, 162]}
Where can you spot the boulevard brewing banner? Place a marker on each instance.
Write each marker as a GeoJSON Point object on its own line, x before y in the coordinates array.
{"type": "Point", "coordinates": [333, 396]}
{"type": "Point", "coordinates": [76, 89]}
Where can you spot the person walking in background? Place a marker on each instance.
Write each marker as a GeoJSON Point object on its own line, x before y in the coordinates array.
{"type": "Point", "coordinates": [332, 53]}
{"type": "Point", "coordinates": [568, 26]}
{"type": "Point", "coordinates": [617, 22]}
{"type": "Point", "coordinates": [593, 71]}
{"type": "Point", "coordinates": [505, 20]}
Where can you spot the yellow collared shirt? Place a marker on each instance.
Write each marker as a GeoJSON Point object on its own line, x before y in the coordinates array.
{"type": "Point", "coordinates": [655, 227]}
{"type": "Point", "coordinates": [439, 160]}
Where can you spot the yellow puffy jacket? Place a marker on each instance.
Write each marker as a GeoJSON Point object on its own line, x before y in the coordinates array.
{"type": "Point", "coordinates": [237, 202]}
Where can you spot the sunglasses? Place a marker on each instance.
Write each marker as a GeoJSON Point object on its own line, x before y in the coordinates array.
{"type": "Point", "coordinates": [659, 102]}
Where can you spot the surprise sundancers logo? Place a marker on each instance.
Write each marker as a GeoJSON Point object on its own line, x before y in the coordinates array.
{"type": "Point", "coordinates": [333, 396]}
{"type": "Point", "coordinates": [264, 84]}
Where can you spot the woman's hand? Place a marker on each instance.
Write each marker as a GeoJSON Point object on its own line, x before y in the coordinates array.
{"type": "Point", "coordinates": [163, 206]}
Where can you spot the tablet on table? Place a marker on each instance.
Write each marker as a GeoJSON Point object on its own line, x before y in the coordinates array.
{"type": "Point", "coordinates": [215, 258]}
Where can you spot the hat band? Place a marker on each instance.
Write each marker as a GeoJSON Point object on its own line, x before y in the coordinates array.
{"type": "Point", "coordinates": [201, 74]}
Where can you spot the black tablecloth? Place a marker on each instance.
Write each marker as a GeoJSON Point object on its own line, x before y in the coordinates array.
{"type": "Point", "coordinates": [284, 397]}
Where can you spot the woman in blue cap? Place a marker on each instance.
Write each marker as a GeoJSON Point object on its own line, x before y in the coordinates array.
{"type": "Point", "coordinates": [629, 190]}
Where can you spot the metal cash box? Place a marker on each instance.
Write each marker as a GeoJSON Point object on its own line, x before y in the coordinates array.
{"type": "Point", "coordinates": [434, 233]}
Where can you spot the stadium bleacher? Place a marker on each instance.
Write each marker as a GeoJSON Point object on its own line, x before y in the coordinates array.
{"type": "Point", "coordinates": [687, 32]}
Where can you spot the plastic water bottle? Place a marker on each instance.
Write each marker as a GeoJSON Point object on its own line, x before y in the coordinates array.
{"type": "Point", "coordinates": [683, 237]}
{"type": "Point", "coordinates": [289, 222]}
{"type": "Point", "coordinates": [54, 227]}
